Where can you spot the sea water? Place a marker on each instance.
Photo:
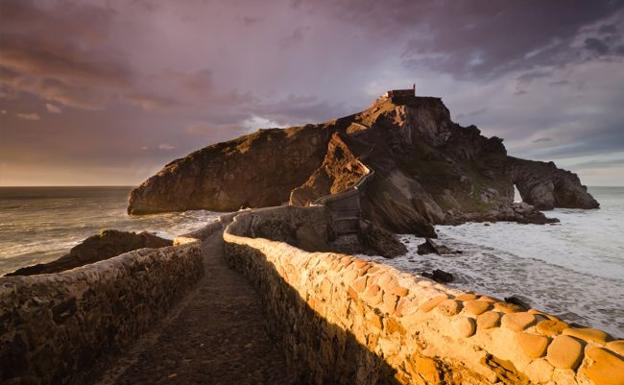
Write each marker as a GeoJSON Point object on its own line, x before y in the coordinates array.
{"type": "Point", "coordinates": [574, 269]}
{"type": "Point", "coordinates": [39, 224]}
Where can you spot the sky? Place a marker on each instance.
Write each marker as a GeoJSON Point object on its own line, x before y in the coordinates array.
{"type": "Point", "coordinates": [107, 92]}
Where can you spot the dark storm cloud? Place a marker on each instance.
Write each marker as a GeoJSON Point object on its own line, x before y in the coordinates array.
{"type": "Point", "coordinates": [483, 39]}
{"type": "Point", "coordinates": [38, 58]}
{"type": "Point", "coordinates": [597, 45]}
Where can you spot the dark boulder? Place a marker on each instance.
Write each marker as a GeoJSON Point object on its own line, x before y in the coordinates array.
{"type": "Point", "coordinates": [521, 301]}
{"type": "Point", "coordinates": [107, 244]}
{"type": "Point", "coordinates": [431, 247]}
{"type": "Point", "coordinates": [439, 276]}
{"type": "Point", "coordinates": [382, 242]}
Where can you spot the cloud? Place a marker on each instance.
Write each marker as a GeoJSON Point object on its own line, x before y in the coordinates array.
{"type": "Point", "coordinates": [165, 147]}
{"type": "Point", "coordinates": [249, 20]}
{"type": "Point", "coordinates": [597, 45]}
{"type": "Point", "coordinates": [53, 109]}
{"type": "Point", "coordinates": [255, 122]}
{"type": "Point", "coordinates": [472, 41]}
{"type": "Point", "coordinates": [194, 73]}
{"type": "Point", "coordinates": [28, 116]}
{"type": "Point", "coordinates": [295, 38]}
{"type": "Point", "coordinates": [49, 59]}
{"type": "Point", "coordinates": [151, 102]}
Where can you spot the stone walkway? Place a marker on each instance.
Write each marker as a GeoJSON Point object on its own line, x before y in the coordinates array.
{"type": "Point", "coordinates": [215, 336]}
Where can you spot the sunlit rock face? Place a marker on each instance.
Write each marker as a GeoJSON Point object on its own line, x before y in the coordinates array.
{"type": "Point", "coordinates": [427, 170]}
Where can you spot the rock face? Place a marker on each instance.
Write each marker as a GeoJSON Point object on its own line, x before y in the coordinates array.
{"type": "Point", "coordinates": [254, 170]}
{"type": "Point", "coordinates": [545, 186]}
{"type": "Point", "coordinates": [340, 170]}
{"type": "Point", "coordinates": [107, 244]}
{"type": "Point", "coordinates": [427, 170]}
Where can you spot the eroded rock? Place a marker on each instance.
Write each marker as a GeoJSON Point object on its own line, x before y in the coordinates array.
{"type": "Point", "coordinates": [545, 186]}
{"type": "Point", "coordinates": [439, 276]}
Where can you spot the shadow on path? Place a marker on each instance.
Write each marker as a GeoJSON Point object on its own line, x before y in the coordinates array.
{"type": "Point", "coordinates": [215, 336]}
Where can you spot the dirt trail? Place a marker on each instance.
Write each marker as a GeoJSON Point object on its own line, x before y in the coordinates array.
{"type": "Point", "coordinates": [215, 336]}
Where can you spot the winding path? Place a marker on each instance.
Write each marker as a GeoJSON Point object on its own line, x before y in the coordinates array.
{"type": "Point", "coordinates": [215, 336]}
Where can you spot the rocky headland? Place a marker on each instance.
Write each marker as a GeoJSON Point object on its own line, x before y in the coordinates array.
{"type": "Point", "coordinates": [422, 169]}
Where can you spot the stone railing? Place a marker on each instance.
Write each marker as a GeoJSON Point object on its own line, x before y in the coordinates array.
{"type": "Point", "coordinates": [344, 320]}
{"type": "Point", "coordinates": [61, 328]}
{"type": "Point", "coordinates": [345, 208]}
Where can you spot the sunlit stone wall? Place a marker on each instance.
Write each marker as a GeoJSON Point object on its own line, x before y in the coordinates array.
{"type": "Point", "coordinates": [344, 320]}
{"type": "Point", "coordinates": [58, 328]}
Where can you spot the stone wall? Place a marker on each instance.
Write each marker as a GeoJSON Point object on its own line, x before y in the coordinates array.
{"type": "Point", "coordinates": [60, 328]}
{"type": "Point", "coordinates": [344, 320]}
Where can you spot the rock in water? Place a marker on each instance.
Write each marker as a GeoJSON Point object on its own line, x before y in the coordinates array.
{"type": "Point", "coordinates": [421, 169]}
{"type": "Point", "coordinates": [382, 242]}
{"type": "Point", "coordinates": [430, 247]}
{"type": "Point", "coordinates": [519, 300]}
{"type": "Point", "coordinates": [107, 244]}
{"type": "Point", "coordinates": [439, 276]}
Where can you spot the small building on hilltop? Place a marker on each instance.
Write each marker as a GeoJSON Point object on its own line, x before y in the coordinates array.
{"type": "Point", "coordinates": [401, 93]}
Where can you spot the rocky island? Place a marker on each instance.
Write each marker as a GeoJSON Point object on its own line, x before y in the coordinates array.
{"type": "Point", "coordinates": [421, 169]}
{"type": "Point", "coordinates": [277, 292]}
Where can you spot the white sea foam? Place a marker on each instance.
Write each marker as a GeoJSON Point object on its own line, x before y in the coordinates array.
{"type": "Point", "coordinates": [574, 269]}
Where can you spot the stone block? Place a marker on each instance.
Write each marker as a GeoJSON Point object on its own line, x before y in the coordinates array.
{"type": "Point", "coordinates": [359, 284]}
{"type": "Point", "coordinates": [476, 307]}
{"type": "Point", "coordinates": [488, 320]}
{"type": "Point", "coordinates": [604, 367]}
{"type": "Point", "coordinates": [565, 352]}
{"type": "Point", "coordinates": [533, 346]}
{"type": "Point", "coordinates": [517, 321]}
{"type": "Point", "coordinates": [550, 327]}
{"type": "Point", "coordinates": [432, 303]}
{"type": "Point", "coordinates": [388, 303]}
{"type": "Point", "coordinates": [449, 307]}
{"type": "Point", "coordinates": [616, 346]}
{"type": "Point", "coordinates": [464, 327]}
{"type": "Point", "coordinates": [540, 371]}
{"type": "Point", "coordinates": [466, 297]}
{"type": "Point", "coordinates": [588, 334]}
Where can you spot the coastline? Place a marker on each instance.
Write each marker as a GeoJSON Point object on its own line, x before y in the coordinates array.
{"type": "Point", "coordinates": [505, 264]}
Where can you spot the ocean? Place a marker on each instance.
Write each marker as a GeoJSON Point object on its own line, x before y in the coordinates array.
{"type": "Point", "coordinates": [39, 224]}
{"type": "Point", "coordinates": [574, 269]}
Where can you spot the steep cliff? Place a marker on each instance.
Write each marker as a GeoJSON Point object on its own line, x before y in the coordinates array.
{"type": "Point", "coordinates": [428, 170]}
{"type": "Point", "coordinates": [254, 170]}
